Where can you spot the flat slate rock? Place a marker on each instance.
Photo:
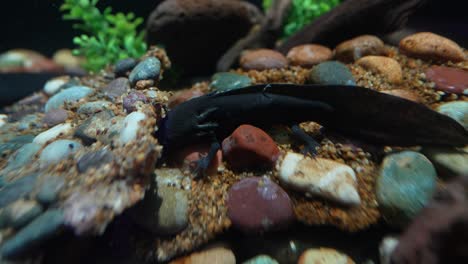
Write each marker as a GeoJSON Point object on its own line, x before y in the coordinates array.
{"type": "Point", "coordinates": [31, 236]}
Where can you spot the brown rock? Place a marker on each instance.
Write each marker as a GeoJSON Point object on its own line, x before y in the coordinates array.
{"type": "Point", "coordinates": [183, 96]}
{"type": "Point", "coordinates": [250, 146]}
{"type": "Point", "coordinates": [449, 80]}
{"type": "Point", "coordinates": [406, 94]}
{"type": "Point", "coordinates": [358, 47]}
{"type": "Point", "coordinates": [426, 45]}
{"type": "Point", "coordinates": [213, 256]}
{"type": "Point", "coordinates": [23, 60]}
{"type": "Point", "coordinates": [180, 25]}
{"type": "Point", "coordinates": [65, 58]}
{"type": "Point", "coordinates": [190, 155]}
{"type": "Point", "coordinates": [388, 67]}
{"type": "Point", "coordinates": [308, 55]}
{"type": "Point", "coordinates": [324, 256]}
{"type": "Point", "coordinates": [263, 59]}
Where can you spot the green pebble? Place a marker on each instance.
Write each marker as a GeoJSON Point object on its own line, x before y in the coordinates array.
{"type": "Point", "coordinates": [406, 182]}
{"type": "Point", "coordinates": [456, 110]}
{"type": "Point", "coordinates": [224, 81]}
{"type": "Point", "coordinates": [148, 69]}
{"type": "Point", "coordinates": [261, 259]}
{"type": "Point", "coordinates": [331, 72]}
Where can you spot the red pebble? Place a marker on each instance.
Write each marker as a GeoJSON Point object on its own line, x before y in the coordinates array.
{"type": "Point", "coordinates": [448, 79]}
{"type": "Point", "coordinates": [190, 155]}
{"type": "Point", "coordinates": [257, 205]}
{"type": "Point", "coordinates": [249, 146]}
{"type": "Point", "coordinates": [184, 96]}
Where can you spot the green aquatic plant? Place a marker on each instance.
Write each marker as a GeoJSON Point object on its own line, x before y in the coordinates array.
{"type": "Point", "coordinates": [108, 37]}
{"type": "Point", "coordinates": [302, 12]}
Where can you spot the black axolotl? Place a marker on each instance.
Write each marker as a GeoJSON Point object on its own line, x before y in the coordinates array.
{"type": "Point", "coordinates": [350, 110]}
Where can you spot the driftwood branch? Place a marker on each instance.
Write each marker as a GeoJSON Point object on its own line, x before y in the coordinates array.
{"type": "Point", "coordinates": [263, 35]}
{"type": "Point", "coordinates": [352, 18]}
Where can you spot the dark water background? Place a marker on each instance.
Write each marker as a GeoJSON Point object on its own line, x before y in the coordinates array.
{"type": "Point", "coordinates": [37, 24]}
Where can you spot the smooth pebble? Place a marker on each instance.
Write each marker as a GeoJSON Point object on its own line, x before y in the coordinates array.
{"type": "Point", "coordinates": [57, 151]}
{"type": "Point", "coordinates": [53, 133]}
{"type": "Point", "coordinates": [148, 69]}
{"type": "Point", "coordinates": [131, 126]}
{"type": "Point", "coordinates": [71, 94]}
{"type": "Point", "coordinates": [319, 177]}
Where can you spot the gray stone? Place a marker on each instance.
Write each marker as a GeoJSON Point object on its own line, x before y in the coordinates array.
{"type": "Point", "coordinates": [331, 72]}
{"type": "Point", "coordinates": [448, 161]}
{"type": "Point", "coordinates": [123, 66]}
{"type": "Point", "coordinates": [94, 159]}
{"type": "Point", "coordinates": [55, 117]}
{"type": "Point", "coordinates": [50, 190]}
{"type": "Point", "coordinates": [57, 151]}
{"type": "Point", "coordinates": [116, 88]}
{"type": "Point", "coordinates": [19, 213]}
{"type": "Point", "coordinates": [223, 81]}
{"type": "Point", "coordinates": [148, 69]}
{"type": "Point", "coordinates": [164, 210]}
{"type": "Point", "coordinates": [71, 94]}
{"type": "Point", "coordinates": [93, 107]}
{"type": "Point", "coordinates": [33, 235]}
{"type": "Point", "coordinates": [23, 156]}
{"type": "Point", "coordinates": [15, 144]}
{"type": "Point", "coordinates": [17, 189]}
{"type": "Point", "coordinates": [456, 110]}
{"type": "Point", "coordinates": [406, 182]}
{"type": "Point", "coordinates": [93, 127]}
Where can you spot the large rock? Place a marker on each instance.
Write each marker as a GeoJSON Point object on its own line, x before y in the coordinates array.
{"type": "Point", "coordinates": [405, 185]}
{"type": "Point", "coordinates": [249, 146]}
{"type": "Point", "coordinates": [196, 33]}
{"type": "Point", "coordinates": [430, 46]}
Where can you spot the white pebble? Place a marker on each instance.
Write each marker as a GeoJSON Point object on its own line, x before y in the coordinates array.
{"type": "Point", "coordinates": [57, 151]}
{"type": "Point", "coordinates": [53, 85]}
{"type": "Point", "coordinates": [131, 126]}
{"type": "Point", "coordinates": [319, 177]}
{"type": "Point", "coordinates": [53, 133]}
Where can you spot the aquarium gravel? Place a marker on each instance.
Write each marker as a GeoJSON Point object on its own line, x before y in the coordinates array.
{"type": "Point", "coordinates": [101, 158]}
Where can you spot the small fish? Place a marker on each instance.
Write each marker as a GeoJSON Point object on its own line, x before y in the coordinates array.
{"type": "Point", "coordinates": [351, 110]}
